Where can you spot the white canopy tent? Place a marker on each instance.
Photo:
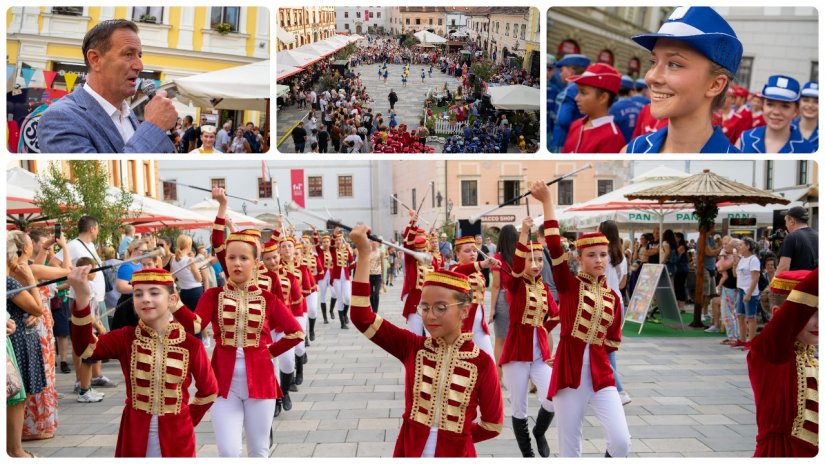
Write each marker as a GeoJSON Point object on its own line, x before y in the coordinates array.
{"type": "Point", "coordinates": [283, 71]}
{"type": "Point", "coordinates": [209, 208]}
{"type": "Point", "coordinates": [287, 38]}
{"type": "Point", "coordinates": [429, 37]}
{"type": "Point", "coordinates": [243, 87]}
{"type": "Point", "coordinates": [515, 97]}
{"type": "Point", "coordinates": [297, 58]}
{"type": "Point", "coordinates": [281, 90]}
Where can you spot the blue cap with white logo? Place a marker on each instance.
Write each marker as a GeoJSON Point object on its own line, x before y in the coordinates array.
{"type": "Point", "coordinates": [781, 88]}
{"type": "Point", "coordinates": [551, 60]}
{"type": "Point", "coordinates": [641, 84]}
{"type": "Point", "coordinates": [811, 89]}
{"type": "Point", "coordinates": [702, 28]}
{"type": "Point", "coordinates": [574, 60]}
{"type": "Point", "coordinates": [627, 82]}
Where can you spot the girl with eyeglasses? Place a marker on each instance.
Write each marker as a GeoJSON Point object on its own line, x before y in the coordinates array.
{"type": "Point", "coordinates": [448, 381]}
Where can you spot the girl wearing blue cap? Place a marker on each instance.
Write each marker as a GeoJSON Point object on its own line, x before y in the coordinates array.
{"type": "Point", "coordinates": [808, 120]}
{"type": "Point", "coordinates": [781, 106]}
{"type": "Point", "coordinates": [694, 56]}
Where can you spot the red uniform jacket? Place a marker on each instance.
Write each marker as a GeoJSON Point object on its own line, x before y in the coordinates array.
{"type": "Point", "coordinates": [758, 120]}
{"type": "Point", "coordinates": [290, 283]}
{"type": "Point", "coordinates": [180, 357]}
{"type": "Point", "coordinates": [308, 284]}
{"type": "Point", "coordinates": [647, 123]}
{"type": "Point", "coordinates": [324, 257]}
{"type": "Point", "coordinates": [533, 313]}
{"type": "Point", "coordinates": [217, 242]}
{"type": "Point", "coordinates": [316, 268]}
{"type": "Point", "coordinates": [438, 260]}
{"type": "Point", "coordinates": [588, 312]}
{"type": "Point", "coordinates": [738, 122]}
{"type": "Point", "coordinates": [505, 275]}
{"type": "Point", "coordinates": [414, 272]}
{"type": "Point", "coordinates": [257, 312]}
{"type": "Point", "coordinates": [603, 137]}
{"type": "Point", "coordinates": [783, 373]}
{"type": "Point", "coordinates": [478, 285]}
{"type": "Point", "coordinates": [341, 259]}
{"type": "Point", "coordinates": [444, 386]}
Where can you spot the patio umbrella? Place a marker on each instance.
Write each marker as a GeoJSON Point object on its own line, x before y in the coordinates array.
{"type": "Point", "coordinates": [515, 97]}
{"type": "Point", "coordinates": [244, 87]}
{"type": "Point", "coordinates": [706, 191]}
{"type": "Point", "coordinates": [297, 58]}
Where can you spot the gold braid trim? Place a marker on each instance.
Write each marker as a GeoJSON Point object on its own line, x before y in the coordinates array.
{"type": "Point", "coordinates": [804, 298]}
{"type": "Point", "coordinates": [805, 364]}
{"type": "Point", "coordinates": [359, 300]}
{"type": "Point", "coordinates": [219, 227]}
{"type": "Point", "coordinates": [559, 260]}
{"type": "Point", "coordinates": [449, 280]}
{"type": "Point", "coordinates": [551, 231]}
{"type": "Point", "coordinates": [294, 335]}
{"type": "Point", "coordinates": [88, 319]}
{"type": "Point", "coordinates": [205, 400]}
{"type": "Point", "coordinates": [373, 328]}
{"type": "Point", "coordinates": [491, 426]}
{"type": "Point", "coordinates": [90, 349]}
{"type": "Point", "coordinates": [521, 253]}
{"type": "Point", "coordinates": [612, 343]}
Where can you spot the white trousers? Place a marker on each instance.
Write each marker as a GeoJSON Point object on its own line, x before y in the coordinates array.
{"type": "Point", "coordinates": [323, 285]}
{"type": "Point", "coordinates": [429, 446]}
{"type": "Point", "coordinates": [238, 413]}
{"type": "Point", "coordinates": [342, 289]}
{"type": "Point", "coordinates": [480, 338]}
{"type": "Point", "coordinates": [301, 348]}
{"type": "Point", "coordinates": [416, 325]}
{"type": "Point", "coordinates": [517, 374]}
{"type": "Point", "coordinates": [284, 362]}
{"type": "Point", "coordinates": [153, 444]}
{"type": "Point", "coordinates": [312, 305]}
{"type": "Point", "coordinates": [571, 405]}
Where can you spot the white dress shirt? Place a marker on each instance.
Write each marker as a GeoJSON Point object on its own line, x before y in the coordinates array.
{"type": "Point", "coordinates": [120, 116]}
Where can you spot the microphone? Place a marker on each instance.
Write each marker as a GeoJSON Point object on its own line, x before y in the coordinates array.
{"type": "Point", "coordinates": [147, 86]}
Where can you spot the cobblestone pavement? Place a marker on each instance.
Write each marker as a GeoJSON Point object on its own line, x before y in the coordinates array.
{"type": "Point", "coordinates": [691, 397]}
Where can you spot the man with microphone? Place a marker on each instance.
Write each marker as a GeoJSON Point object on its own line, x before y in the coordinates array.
{"type": "Point", "coordinates": [96, 117]}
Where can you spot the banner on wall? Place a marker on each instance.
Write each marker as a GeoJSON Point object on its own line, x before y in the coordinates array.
{"type": "Point", "coordinates": [297, 181]}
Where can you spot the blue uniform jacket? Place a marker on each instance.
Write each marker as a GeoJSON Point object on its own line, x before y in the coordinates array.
{"type": "Point", "coordinates": [753, 141]}
{"type": "Point", "coordinates": [652, 143]}
{"type": "Point", "coordinates": [566, 113]}
{"type": "Point", "coordinates": [625, 114]}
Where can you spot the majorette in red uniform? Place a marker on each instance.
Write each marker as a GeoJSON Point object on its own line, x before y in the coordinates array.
{"type": "Point", "coordinates": [322, 247]}
{"type": "Point", "coordinates": [290, 270]}
{"type": "Point", "coordinates": [414, 273]}
{"type": "Point", "coordinates": [596, 132]}
{"type": "Point", "coordinates": [282, 287]}
{"type": "Point", "coordinates": [313, 265]}
{"type": "Point", "coordinates": [740, 119]}
{"type": "Point", "coordinates": [243, 315]}
{"type": "Point", "coordinates": [438, 258]}
{"type": "Point", "coordinates": [526, 353]}
{"type": "Point", "coordinates": [475, 323]}
{"type": "Point", "coordinates": [158, 419]}
{"type": "Point", "coordinates": [757, 113]}
{"type": "Point", "coordinates": [590, 327]}
{"type": "Point", "coordinates": [341, 259]}
{"type": "Point", "coordinates": [784, 371]}
{"type": "Point", "coordinates": [446, 383]}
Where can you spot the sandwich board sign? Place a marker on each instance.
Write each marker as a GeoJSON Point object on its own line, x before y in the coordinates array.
{"type": "Point", "coordinates": [653, 283]}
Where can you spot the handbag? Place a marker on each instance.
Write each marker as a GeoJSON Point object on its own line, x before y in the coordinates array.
{"type": "Point", "coordinates": [14, 384]}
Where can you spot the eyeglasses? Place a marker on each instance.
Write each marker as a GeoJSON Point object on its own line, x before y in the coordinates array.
{"type": "Point", "coordinates": [438, 309]}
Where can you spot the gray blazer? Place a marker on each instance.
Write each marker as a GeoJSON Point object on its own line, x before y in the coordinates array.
{"type": "Point", "coordinates": [77, 124]}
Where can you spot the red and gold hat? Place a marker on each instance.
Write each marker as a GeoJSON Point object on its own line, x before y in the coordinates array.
{"type": "Point", "coordinates": [601, 76]}
{"type": "Point", "coordinates": [806, 293]}
{"type": "Point", "coordinates": [591, 239]}
{"type": "Point", "coordinates": [784, 282]}
{"type": "Point", "coordinates": [250, 236]}
{"type": "Point", "coordinates": [152, 276]}
{"type": "Point", "coordinates": [337, 234]}
{"type": "Point", "coordinates": [535, 246]}
{"type": "Point", "coordinates": [467, 239]}
{"type": "Point", "coordinates": [420, 243]}
{"type": "Point", "coordinates": [325, 235]}
{"type": "Point", "coordinates": [298, 245]}
{"type": "Point", "coordinates": [270, 246]}
{"type": "Point", "coordinates": [447, 279]}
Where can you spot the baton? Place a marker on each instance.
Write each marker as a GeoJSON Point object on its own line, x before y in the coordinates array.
{"type": "Point", "coordinates": [474, 219]}
{"type": "Point", "coordinates": [254, 202]}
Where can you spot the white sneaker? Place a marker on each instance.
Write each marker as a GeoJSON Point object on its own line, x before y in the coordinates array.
{"type": "Point", "coordinates": [103, 381]}
{"type": "Point", "coordinates": [712, 329]}
{"type": "Point", "coordinates": [624, 397]}
{"type": "Point", "coordinates": [89, 397]}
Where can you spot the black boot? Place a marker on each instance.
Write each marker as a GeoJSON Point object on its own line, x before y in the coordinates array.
{"type": "Point", "coordinates": [523, 437]}
{"type": "Point", "coordinates": [286, 381]}
{"type": "Point", "coordinates": [312, 329]}
{"type": "Point", "coordinates": [341, 318]}
{"type": "Point", "coordinates": [543, 421]}
{"type": "Point", "coordinates": [279, 404]}
{"type": "Point", "coordinates": [607, 454]}
{"type": "Point", "coordinates": [306, 340]}
{"type": "Point", "coordinates": [346, 316]}
{"type": "Point", "coordinates": [324, 312]}
{"type": "Point", "coordinates": [299, 370]}
{"type": "Point", "coordinates": [332, 308]}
